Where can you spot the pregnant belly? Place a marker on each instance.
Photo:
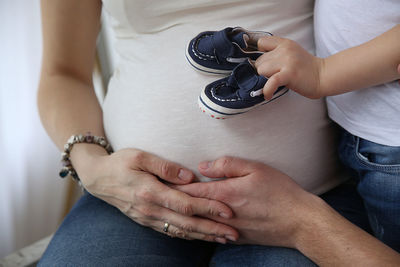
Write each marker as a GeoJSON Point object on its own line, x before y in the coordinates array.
{"type": "Point", "coordinates": [292, 134]}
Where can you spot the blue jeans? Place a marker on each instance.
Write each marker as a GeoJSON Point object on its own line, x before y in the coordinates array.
{"type": "Point", "coordinates": [377, 170]}
{"type": "Point", "coordinates": [97, 234]}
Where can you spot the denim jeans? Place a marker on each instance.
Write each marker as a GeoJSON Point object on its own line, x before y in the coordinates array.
{"type": "Point", "coordinates": [377, 170]}
{"type": "Point", "coordinates": [97, 234]}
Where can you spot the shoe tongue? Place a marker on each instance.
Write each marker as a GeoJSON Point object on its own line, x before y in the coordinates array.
{"type": "Point", "coordinates": [222, 42]}
{"type": "Point", "coordinates": [246, 79]}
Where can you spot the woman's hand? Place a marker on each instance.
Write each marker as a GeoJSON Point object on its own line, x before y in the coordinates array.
{"type": "Point", "coordinates": [135, 182]}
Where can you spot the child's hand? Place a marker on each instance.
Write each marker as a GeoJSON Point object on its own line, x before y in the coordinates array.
{"type": "Point", "coordinates": [287, 63]}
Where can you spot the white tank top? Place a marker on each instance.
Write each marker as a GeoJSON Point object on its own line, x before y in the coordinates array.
{"type": "Point", "coordinates": [371, 113]}
{"type": "Point", "coordinates": [151, 102]}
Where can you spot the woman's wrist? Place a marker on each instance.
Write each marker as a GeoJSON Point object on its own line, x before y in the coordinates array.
{"type": "Point", "coordinates": [86, 158]}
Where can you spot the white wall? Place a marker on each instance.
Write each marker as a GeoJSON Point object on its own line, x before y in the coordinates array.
{"type": "Point", "coordinates": [31, 194]}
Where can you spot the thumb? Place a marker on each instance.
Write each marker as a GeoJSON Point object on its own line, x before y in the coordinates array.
{"type": "Point", "coordinates": [226, 167]}
{"type": "Point", "coordinates": [164, 169]}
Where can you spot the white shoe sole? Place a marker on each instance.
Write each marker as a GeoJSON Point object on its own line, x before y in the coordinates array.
{"type": "Point", "coordinates": [219, 112]}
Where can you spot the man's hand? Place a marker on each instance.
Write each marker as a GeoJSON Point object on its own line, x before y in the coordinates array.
{"type": "Point", "coordinates": [271, 209]}
{"type": "Point", "coordinates": [268, 205]}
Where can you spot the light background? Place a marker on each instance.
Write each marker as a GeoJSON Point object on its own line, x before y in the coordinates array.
{"type": "Point", "coordinates": [31, 194]}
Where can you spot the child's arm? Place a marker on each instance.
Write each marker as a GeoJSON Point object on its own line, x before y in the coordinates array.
{"type": "Point", "coordinates": [287, 63]}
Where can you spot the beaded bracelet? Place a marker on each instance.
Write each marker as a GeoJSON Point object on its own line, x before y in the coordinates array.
{"type": "Point", "coordinates": [67, 168]}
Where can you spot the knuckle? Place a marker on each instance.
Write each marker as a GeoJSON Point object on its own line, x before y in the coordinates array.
{"type": "Point", "coordinates": [187, 228]}
{"type": "Point", "coordinates": [211, 208]}
{"type": "Point", "coordinates": [144, 195]}
{"type": "Point", "coordinates": [138, 157]}
{"type": "Point", "coordinates": [186, 209]}
{"type": "Point", "coordinates": [172, 231]}
{"type": "Point", "coordinates": [225, 161]}
{"type": "Point", "coordinates": [165, 169]}
{"type": "Point", "coordinates": [181, 235]}
{"type": "Point", "coordinates": [275, 79]}
{"type": "Point", "coordinates": [145, 211]}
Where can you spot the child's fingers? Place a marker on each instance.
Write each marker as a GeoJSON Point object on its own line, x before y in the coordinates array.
{"type": "Point", "coordinates": [273, 83]}
{"type": "Point", "coordinates": [268, 43]}
{"type": "Point", "coordinates": [266, 65]}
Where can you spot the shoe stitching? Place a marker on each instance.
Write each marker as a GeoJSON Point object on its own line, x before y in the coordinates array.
{"type": "Point", "coordinates": [213, 89]}
{"type": "Point", "coordinates": [197, 53]}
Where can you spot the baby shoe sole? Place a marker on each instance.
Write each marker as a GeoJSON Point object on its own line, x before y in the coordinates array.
{"type": "Point", "coordinates": [220, 112]}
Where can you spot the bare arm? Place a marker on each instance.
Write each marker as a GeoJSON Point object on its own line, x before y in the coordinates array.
{"type": "Point", "coordinates": [129, 178]}
{"type": "Point", "coordinates": [330, 240]}
{"type": "Point", "coordinates": [271, 209]}
{"type": "Point", "coordinates": [287, 63]}
{"type": "Point", "coordinates": [374, 62]}
{"type": "Point", "coordinates": [66, 99]}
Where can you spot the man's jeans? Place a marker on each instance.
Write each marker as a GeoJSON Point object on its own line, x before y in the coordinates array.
{"type": "Point", "coordinates": [377, 170]}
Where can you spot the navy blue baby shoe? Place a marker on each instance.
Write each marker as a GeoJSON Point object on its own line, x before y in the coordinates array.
{"type": "Point", "coordinates": [219, 52]}
{"type": "Point", "coordinates": [237, 93]}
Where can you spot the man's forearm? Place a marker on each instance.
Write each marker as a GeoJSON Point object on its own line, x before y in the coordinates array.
{"type": "Point", "coordinates": [330, 240]}
{"type": "Point", "coordinates": [374, 62]}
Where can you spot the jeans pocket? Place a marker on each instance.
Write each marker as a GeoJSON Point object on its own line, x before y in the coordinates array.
{"type": "Point", "coordinates": [377, 156]}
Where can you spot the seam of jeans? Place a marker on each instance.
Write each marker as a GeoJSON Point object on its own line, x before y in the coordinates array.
{"type": "Point", "coordinates": [393, 168]}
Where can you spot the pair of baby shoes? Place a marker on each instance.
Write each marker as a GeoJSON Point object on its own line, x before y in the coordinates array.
{"type": "Point", "coordinates": [230, 51]}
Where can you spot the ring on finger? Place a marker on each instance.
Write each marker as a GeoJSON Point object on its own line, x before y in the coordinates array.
{"type": "Point", "coordinates": [166, 226]}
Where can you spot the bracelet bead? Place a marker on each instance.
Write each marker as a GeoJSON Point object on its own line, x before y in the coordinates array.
{"type": "Point", "coordinates": [67, 168]}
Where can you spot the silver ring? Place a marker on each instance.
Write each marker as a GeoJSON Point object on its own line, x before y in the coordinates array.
{"type": "Point", "coordinates": [166, 225]}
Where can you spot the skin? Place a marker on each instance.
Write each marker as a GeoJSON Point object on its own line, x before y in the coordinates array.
{"type": "Point", "coordinates": [131, 180]}
{"type": "Point", "coordinates": [134, 181]}
{"type": "Point", "coordinates": [258, 195]}
{"type": "Point", "coordinates": [287, 63]}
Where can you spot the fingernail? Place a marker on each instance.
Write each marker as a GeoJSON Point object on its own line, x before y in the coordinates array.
{"type": "Point", "coordinates": [220, 240]}
{"type": "Point", "coordinates": [185, 175]}
{"type": "Point", "coordinates": [231, 238]}
{"type": "Point", "coordinates": [224, 215]}
{"type": "Point", "coordinates": [205, 165]}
